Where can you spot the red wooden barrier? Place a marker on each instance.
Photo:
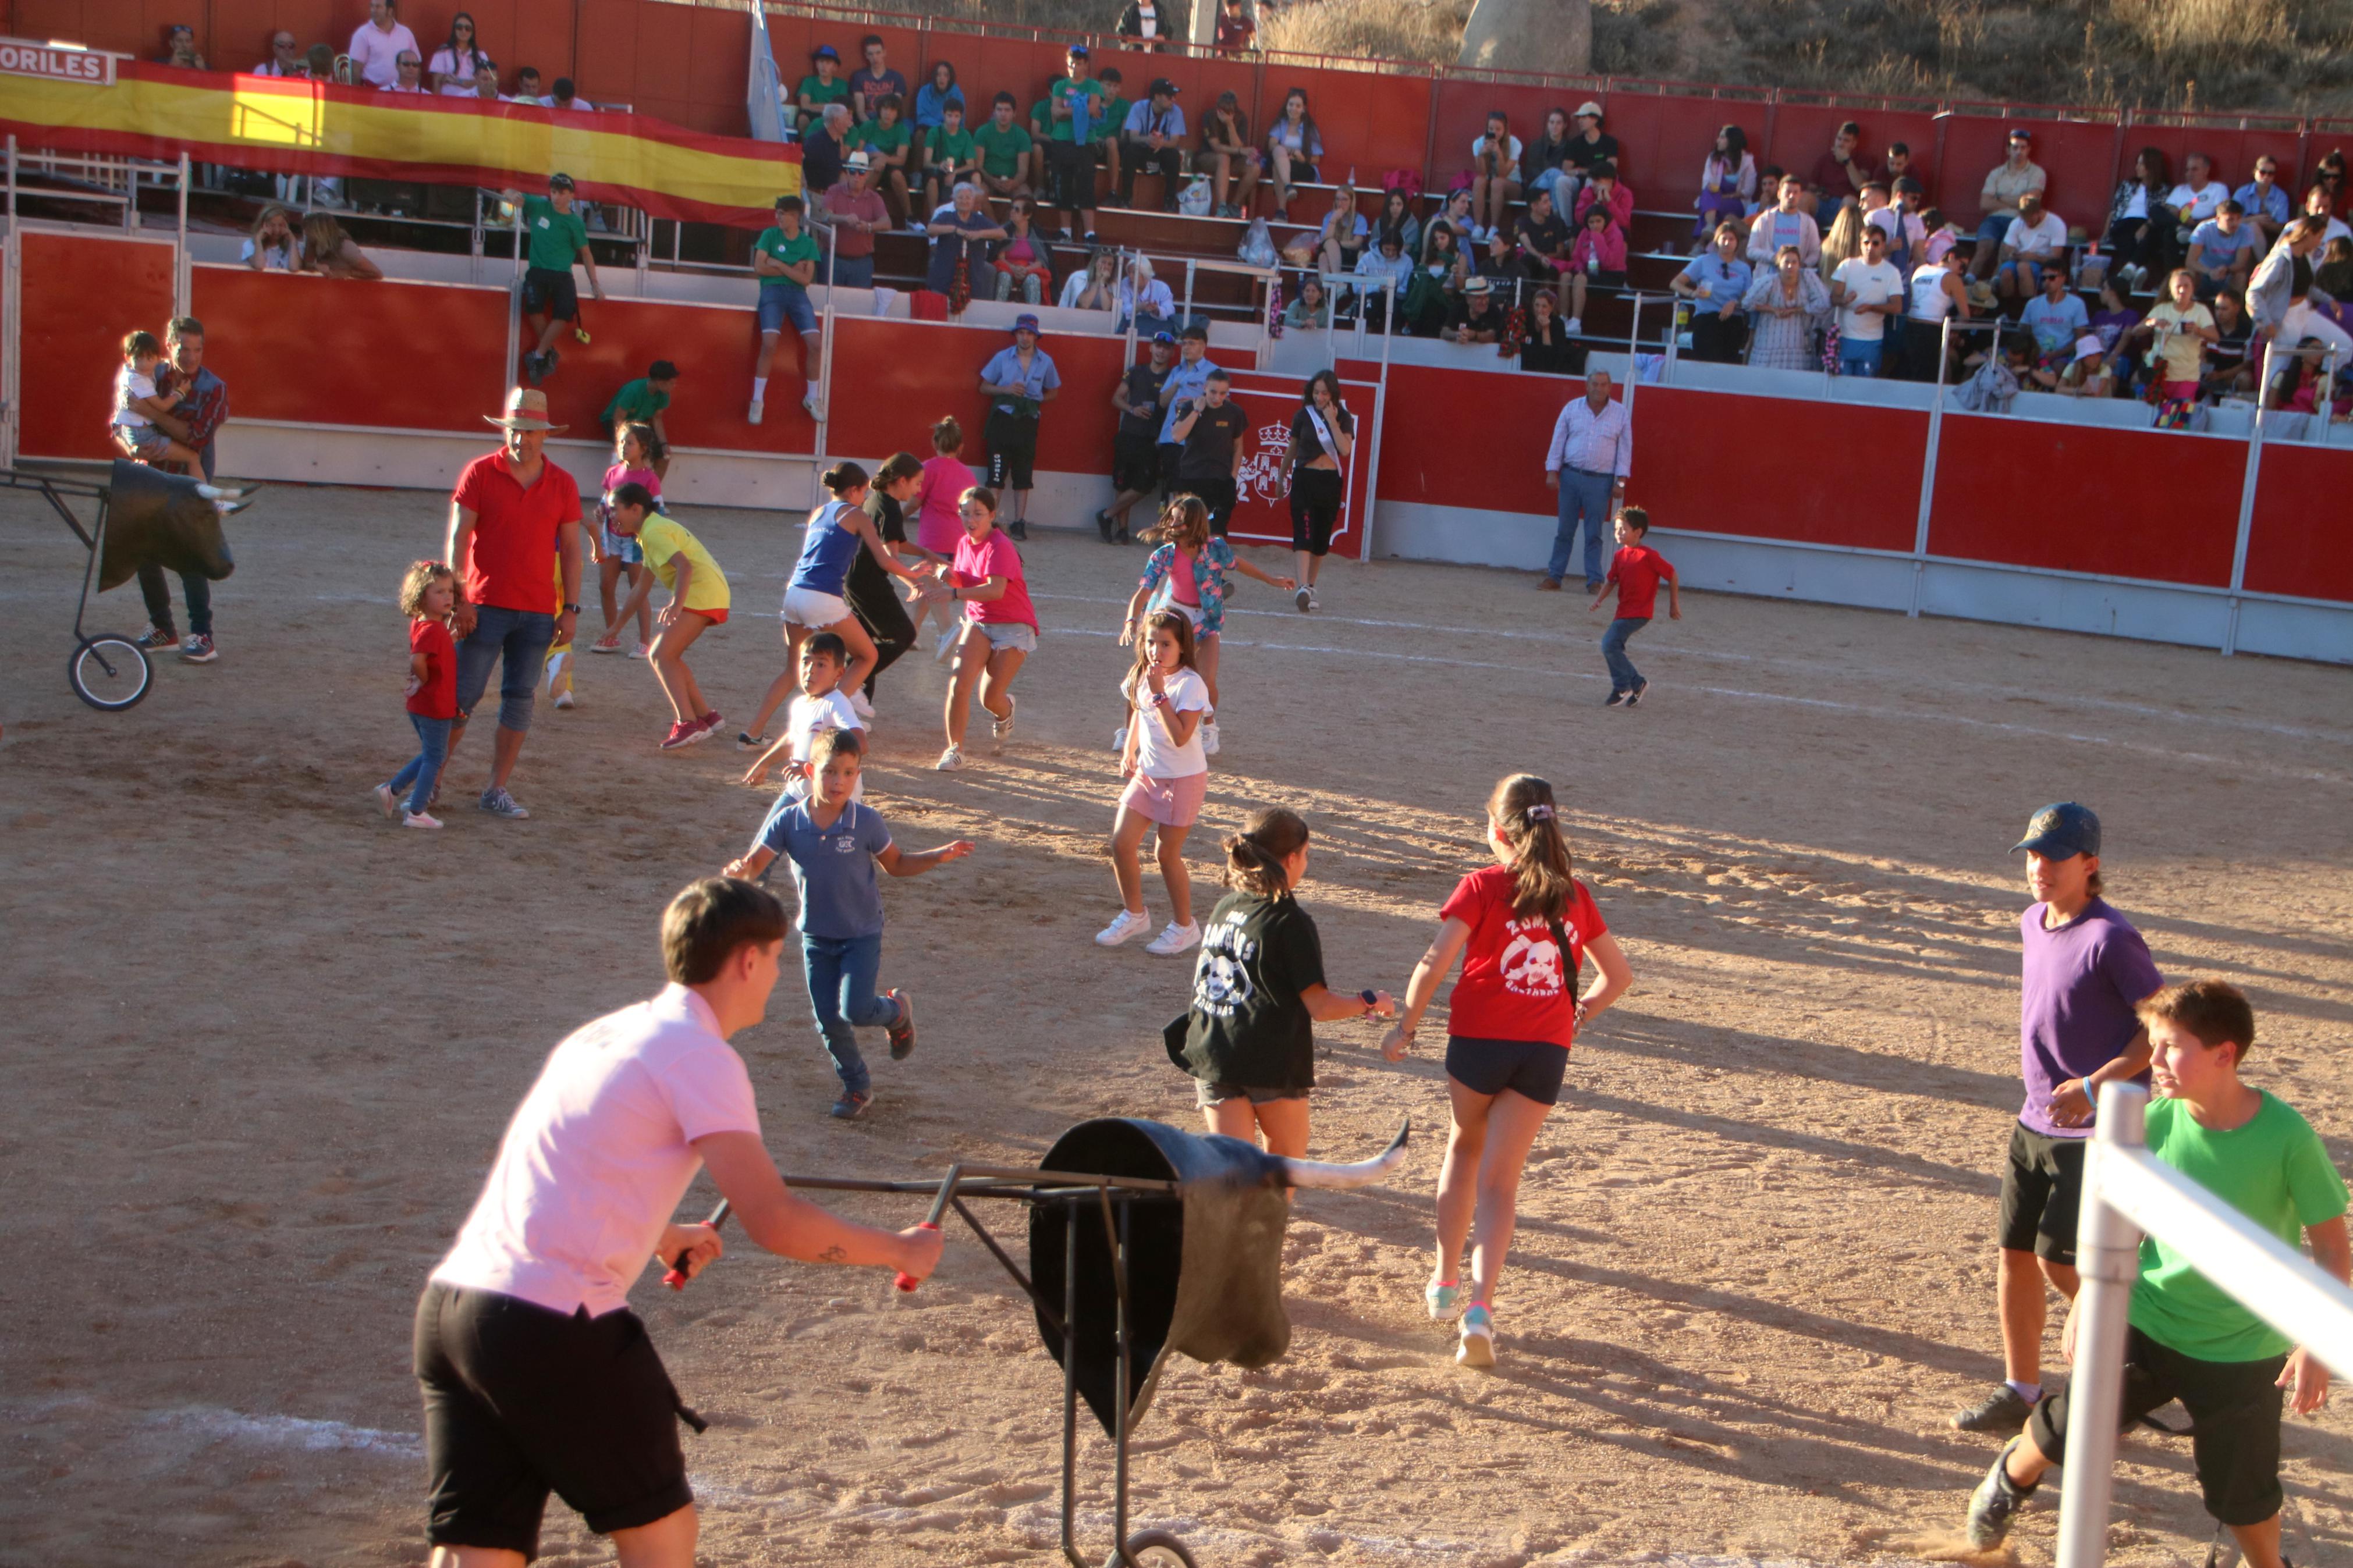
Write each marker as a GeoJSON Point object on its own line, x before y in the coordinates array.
{"type": "Point", "coordinates": [892, 379]}
{"type": "Point", "coordinates": [81, 294]}
{"type": "Point", "coordinates": [2298, 544]}
{"type": "Point", "coordinates": [1471, 438]}
{"type": "Point", "coordinates": [1703, 462]}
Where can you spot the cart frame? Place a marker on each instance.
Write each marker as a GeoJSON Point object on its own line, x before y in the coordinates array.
{"type": "Point", "coordinates": [87, 646]}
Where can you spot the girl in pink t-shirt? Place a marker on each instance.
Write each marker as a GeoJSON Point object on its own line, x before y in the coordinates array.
{"type": "Point", "coordinates": [1523, 928]}
{"type": "Point", "coordinates": [999, 631]}
{"type": "Point", "coordinates": [617, 555]}
{"type": "Point", "coordinates": [938, 528]}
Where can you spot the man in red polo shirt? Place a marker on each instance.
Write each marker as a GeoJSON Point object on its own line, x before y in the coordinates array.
{"type": "Point", "coordinates": [514, 524]}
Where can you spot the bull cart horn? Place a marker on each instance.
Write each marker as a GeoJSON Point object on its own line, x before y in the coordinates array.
{"type": "Point", "coordinates": [1364, 1173]}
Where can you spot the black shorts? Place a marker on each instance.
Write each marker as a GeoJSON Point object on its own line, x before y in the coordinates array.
{"type": "Point", "coordinates": [1216, 491]}
{"type": "Point", "coordinates": [1135, 463]}
{"type": "Point", "coordinates": [1315, 508]}
{"type": "Point", "coordinates": [2234, 1422]}
{"type": "Point", "coordinates": [1600, 277]}
{"type": "Point", "coordinates": [1532, 1068]}
{"type": "Point", "coordinates": [2042, 1188]}
{"type": "Point", "coordinates": [547, 292]}
{"type": "Point", "coordinates": [1171, 454]}
{"type": "Point", "coordinates": [520, 1401]}
{"type": "Point", "coordinates": [1012, 449]}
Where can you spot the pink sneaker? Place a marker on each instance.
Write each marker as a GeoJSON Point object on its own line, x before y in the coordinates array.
{"type": "Point", "coordinates": [711, 722]}
{"type": "Point", "coordinates": [681, 736]}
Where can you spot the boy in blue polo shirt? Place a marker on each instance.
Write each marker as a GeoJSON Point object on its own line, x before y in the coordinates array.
{"type": "Point", "coordinates": [2189, 1339]}
{"type": "Point", "coordinates": [835, 843]}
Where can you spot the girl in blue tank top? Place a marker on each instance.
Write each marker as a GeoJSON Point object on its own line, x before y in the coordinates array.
{"type": "Point", "coordinates": [827, 549]}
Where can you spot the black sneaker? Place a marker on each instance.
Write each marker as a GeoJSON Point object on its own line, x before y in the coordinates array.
{"type": "Point", "coordinates": [850, 1106]}
{"type": "Point", "coordinates": [903, 1033]}
{"type": "Point", "coordinates": [2003, 1410]}
{"type": "Point", "coordinates": [1616, 699]}
{"type": "Point", "coordinates": [1997, 1499]}
{"type": "Point", "coordinates": [1636, 696]}
{"type": "Point", "coordinates": [1104, 525]}
{"type": "Point", "coordinates": [1121, 537]}
{"type": "Point", "coordinates": [1020, 529]}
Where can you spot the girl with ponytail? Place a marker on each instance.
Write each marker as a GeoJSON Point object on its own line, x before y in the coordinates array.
{"type": "Point", "coordinates": [1167, 777]}
{"type": "Point", "coordinates": [1248, 1038]}
{"type": "Point", "coordinates": [1523, 928]}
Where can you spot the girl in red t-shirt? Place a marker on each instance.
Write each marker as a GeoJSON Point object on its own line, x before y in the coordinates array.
{"type": "Point", "coordinates": [1523, 928]}
{"type": "Point", "coordinates": [426, 594]}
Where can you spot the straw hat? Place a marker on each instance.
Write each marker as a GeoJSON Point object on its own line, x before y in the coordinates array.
{"type": "Point", "coordinates": [526, 410]}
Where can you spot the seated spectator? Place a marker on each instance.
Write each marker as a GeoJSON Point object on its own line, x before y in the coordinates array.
{"type": "Point", "coordinates": [1022, 261]}
{"type": "Point", "coordinates": [2199, 194]}
{"type": "Point", "coordinates": [961, 233]}
{"type": "Point", "coordinates": [1597, 258]}
{"type": "Point", "coordinates": [1442, 256]}
{"type": "Point", "coordinates": [1901, 165]}
{"type": "Point", "coordinates": [328, 251]}
{"type": "Point", "coordinates": [1232, 158]}
{"type": "Point", "coordinates": [1603, 189]}
{"type": "Point", "coordinates": [1494, 172]}
{"type": "Point", "coordinates": [875, 80]}
{"type": "Point", "coordinates": [1154, 138]}
{"type": "Point", "coordinates": [886, 141]}
{"type": "Point", "coordinates": [1396, 213]}
{"type": "Point", "coordinates": [2266, 203]}
{"type": "Point", "coordinates": [824, 85]}
{"type": "Point", "coordinates": [376, 45]}
{"type": "Point", "coordinates": [2016, 175]}
{"type": "Point", "coordinates": [824, 147]}
{"type": "Point", "coordinates": [1105, 136]}
{"type": "Point", "coordinates": [1236, 33]}
{"type": "Point", "coordinates": [1144, 25]}
{"type": "Point", "coordinates": [2296, 381]}
{"type": "Point", "coordinates": [1717, 283]}
{"type": "Point", "coordinates": [856, 214]}
{"type": "Point", "coordinates": [2140, 225]}
{"type": "Point", "coordinates": [1842, 241]}
{"type": "Point", "coordinates": [1868, 293]}
{"type": "Point", "coordinates": [286, 58]}
{"type": "Point", "coordinates": [1095, 286]}
{"type": "Point", "coordinates": [1499, 263]}
{"type": "Point", "coordinates": [180, 48]}
{"type": "Point", "coordinates": [2229, 371]}
{"type": "Point", "coordinates": [410, 75]}
{"type": "Point", "coordinates": [1143, 300]}
{"type": "Point", "coordinates": [319, 62]}
{"type": "Point", "coordinates": [1547, 348]}
{"type": "Point", "coordinates": [486, 82]}
{"type": "Point", "coordinates": [1343, 234]}
{"type": "Point", "coordinates": [1544, 239]}
{"type": "Point", "coordinates": [2081, 371]}
{"type": "Point", "coordinates": [931, 102]}
{"type": "Point", "coordinates": [1838, 174]}
{"type": "Point", "coordinates": [949, 158]}
{"type": "Point", "coordinates": [2333, 275]}
{"type": "Point", "coordinates": [2178, 332]}
{"type": "Point", "coordinates": [1785, 226]}
{"type": "Point", "coordinates": [2222, 251]}
{"type": "Point", "coordinates": [1944, 235]}
{"type": "Point", "coordinates": [1588, 144]}
{"type": "Point", "coordinates": [1545, 164]}
{"type": "Point", "coordinates": [1454, 214]}
{"type": "Point", "coordinates": [2115, 318]}
{"type": "Point", "coordinates": [1787, 304]}
{"type": "Point", "coordinates": [1295, 148]}
{"type": "Point", "coordinates": [2056, 317]}
{"type": "Point", "coordinates": [1728, 181]}
{"type": "Point", "coordinates": [1384, 261]}
{"type": "Point", "coordinates": [1474, 318]}
{"type": "Point", "coordinates": [1768, 192]}
{"type": "Point", "coordinates": [1933, 295]}
{"type": "Point", "coordinates": [2036, 243]}
{"type": "Point", "coordinates": [527, 89]}
{"type": "Point", "coordinates": [453, 64]}
{"type": "Point", "coordinates": [271, 247]}
{"type": "Point", "coordinates": [1311, 307]}
{"type": "Point", "coordinates": [565, 96]}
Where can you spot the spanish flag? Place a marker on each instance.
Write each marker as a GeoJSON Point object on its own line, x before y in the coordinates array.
{"type": "Point", "coordinates": [303, 127]}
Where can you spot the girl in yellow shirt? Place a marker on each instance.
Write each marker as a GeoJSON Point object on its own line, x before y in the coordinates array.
{"type": "Point", "coordinates": [697, 601]}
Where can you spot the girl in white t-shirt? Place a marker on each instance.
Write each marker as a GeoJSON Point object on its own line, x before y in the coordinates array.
{"type": "Point", "coordinates": [1167, 777]}
{"type": "Point", "coordinates": [136, 402]}
{"type": "Point", "coordinates": [1495, 176]}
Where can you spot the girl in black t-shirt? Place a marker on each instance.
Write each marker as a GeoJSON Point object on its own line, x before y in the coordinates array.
{"type": "Point", "coordinates": [1322, 435]}
{"type": "Point", "coordinates": [868, 589]}
{"type": "Point", "coordinates": [1258, 992]}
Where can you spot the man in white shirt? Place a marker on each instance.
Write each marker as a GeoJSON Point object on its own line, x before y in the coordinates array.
{"type": "Point", "coordinates": [412, 74]}
{"type": "Point", "coordinates": [1592, 450]}
{"type": "Point", "coordinates": [2200, 193]}
{"type": "Point", "coordinates": [2037, 239]}
{"type": "Point", "coordinates": [536, 1374]}
{"type": "Point", "coordinates": [285, 58]}
{"type": "Point", "coordinates": [376, 48]}
{"type": "Point", "coordinates": [1867, 290]}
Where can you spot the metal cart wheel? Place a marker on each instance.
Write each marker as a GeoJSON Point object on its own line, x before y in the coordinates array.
{"type": "Point", "coordinates": [1155, 1549]}
{"type": "Point", "coordinates": [110, 672]}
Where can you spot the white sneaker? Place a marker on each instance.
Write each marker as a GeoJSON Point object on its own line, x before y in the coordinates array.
{"type": "Point", "coordinates": [419, 819]}
{"type": "Point", "coordinates": [752, 418]}
{"type": "Point", "coordinates": [809, 401]}
{"type": "Point", "coordinates": [1174, 938]}
{"type": "Point", "coordinates": [643, 650]}
{"type": "Point", "coordinates": [1478, 1346]}
{"type": "Point", "coordinates": [1302, 599]}
{"type": "Point", "coordinates": [564, 700]}
{"type": "Point", "coordinates": [860, 706]}
{"type": "Point", "coordinates": [1001, 729]}
{"type": "Point", "coordinates": [388, 802]}
{"type": "Point", "coordinates": [1123, 927]}
{"type": "Point", "coordinates": [1313, 602]}
{"type": "Point", "coordinates": [950, 760]}
{"type": "Point", "coordinates": [1575, 326]}
{"type": "Point", "coordinates": [1210, 739]}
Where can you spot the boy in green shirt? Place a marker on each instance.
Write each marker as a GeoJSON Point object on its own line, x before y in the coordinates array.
{"type": "Point", "coordinates": [1105, 135]}
{"type": "Point", "coordinates": [1074, 106]}
{"type": "Point", "coordinates": [553, 238]}
{"type": "Point", "coordinates": [784, 261]}
{"type": "Point", "coordinates": [641, 402]}
{"type": "Point", "coordinates": [949, 160]}
{"type": "Point", "coordinates": [825, 84]}
{"type": "Point", "coordinates": [1004, 150]}
{"type": "Point", "coordinates": [884, 139]}
{"type": "Point", "coordinates": [2190, 1338]}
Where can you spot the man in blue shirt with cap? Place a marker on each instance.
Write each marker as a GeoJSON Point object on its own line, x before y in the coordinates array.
{"type": "Point", "coordinates": [1017, 382]}
{"type": "Point", "coordinates": [2085, 970]}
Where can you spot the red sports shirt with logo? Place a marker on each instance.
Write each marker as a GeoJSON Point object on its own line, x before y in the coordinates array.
{"type": "Point", "coordinates": [1516, 984]}
{"type": "Point", "coordinates": [1637, 569]}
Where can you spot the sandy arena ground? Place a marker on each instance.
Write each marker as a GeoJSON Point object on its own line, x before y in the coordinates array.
{"type": "Point", "coordinates": [261, 1044]}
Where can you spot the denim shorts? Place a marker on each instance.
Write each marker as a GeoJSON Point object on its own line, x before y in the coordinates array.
{"type": "Point", "coordinates": [627, 552]}
{"type": "Point", "coordinates": [516, 640]}
{"type": "Point", "coordinates": [1018, 636]}
{"type": "Point", "coordinates": [778, 306]}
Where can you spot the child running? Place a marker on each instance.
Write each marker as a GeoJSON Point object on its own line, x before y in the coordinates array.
{"type": "Point", "coordinates": [698, 602]}
{"type": "Point", "coordinates": [1167, 778]}
{"type": "Point", "coordinates": [834, 844]}
{"type": "Point", "coordinates": [2190, 1337]}
{"type": "Point", "coordinates": [1000, 628]}
{"type": "Point", "coordinates": [819, 707]}
{"type": "Point", "coordinates": [1523, 928]}
{"type": "Point", "coordinates": [426, 594]}
{"type": "Point", "coordinates": [136, 405]}
{"type": "Point", "coordinates": [939, 523]}
{"type": "Point", "coordinates": [1248, 1038]}
{"type": "Point", "coordinates": [1193, 562]}
{"type": "Point", "coordinates": [1634, 575]}
{"type": "Point", "coordinates": [615, 556]}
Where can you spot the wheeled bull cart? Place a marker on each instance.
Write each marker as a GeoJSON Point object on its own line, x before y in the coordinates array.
{"type": "Point", "coordinates": [107, 670]}
{"type": "Point", "coordinates": [1143, 1239]}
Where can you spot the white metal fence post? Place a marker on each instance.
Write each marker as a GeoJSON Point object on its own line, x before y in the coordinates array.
{"type": "Point", "coordinates": [2247, 498]}
{"type": "Point", "coordinates": [2107, 1256]}
{"type": "Point", "coordinates": [1928, 465]}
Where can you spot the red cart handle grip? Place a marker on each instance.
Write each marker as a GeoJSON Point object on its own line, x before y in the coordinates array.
{"type": "Point", "coordinates": [676, 1277]}
{"type": "Point", "coordinates": [906, 1281]}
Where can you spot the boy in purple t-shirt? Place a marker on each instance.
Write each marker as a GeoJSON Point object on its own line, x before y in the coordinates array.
{"type": "Point", "coordinates": [2085, 970]}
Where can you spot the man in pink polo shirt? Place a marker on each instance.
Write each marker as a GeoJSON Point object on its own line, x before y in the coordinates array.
{"type": "Point", "coordinates": [536, 1376]}
{"type": "Point", "coordinates": [514, 516]}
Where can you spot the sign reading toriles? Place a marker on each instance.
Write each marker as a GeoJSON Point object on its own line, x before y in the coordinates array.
{"type": "Point", "coordinates": [55, 62]}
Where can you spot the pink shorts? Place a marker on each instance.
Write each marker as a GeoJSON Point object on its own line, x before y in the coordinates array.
{"type": "Point", "coordinates": [1172, 803]}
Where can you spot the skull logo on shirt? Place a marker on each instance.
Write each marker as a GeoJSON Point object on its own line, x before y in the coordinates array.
{"type": "Point", "coordinates": [1530, 964]}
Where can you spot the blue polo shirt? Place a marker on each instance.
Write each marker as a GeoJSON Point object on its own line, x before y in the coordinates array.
{"type": "Point", "coordinates": [1184, 381]}
{"type": "Point", "coordinates": [840, 886]}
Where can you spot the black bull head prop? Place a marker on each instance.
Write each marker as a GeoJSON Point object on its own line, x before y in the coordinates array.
{"type": "Point", "coordinates": [156, 518]}
{"type": "Point", "coordinates": [1204, 1271]}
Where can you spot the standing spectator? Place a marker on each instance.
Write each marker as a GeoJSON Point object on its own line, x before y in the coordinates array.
{"type": "Point", "coordinates": [1293, 150]}
{"type": "Point", "coordinates": [1786, 226]}
{"type": "Point", "coordinates": [515, 533]}
{"type": "Point", "coordinates": [411, 77]}
{"type": "Point", "coordinates": [824, 148]}
{"type": "Point", "coordinates": [557, 238]}
{"type": "Point", "coordinates": [1717, 283]}
{"type": "Point", "coordinates": [199, 407]}
{"type": "Point", "coordinates": [1933, 293]}
{"type": "Point", "coordinates": [949, 154]}
{"type": "Point", "coordinates": [2267, 206]}
{"type": "Point", "coordinates": [1004, 149]}
{"type": "Point", "coordinates": [1727, 183]}
{"type": "Point", "coordinates": [1153, 138]}
{"type": "Point", "coordinates": [376, 48]}
{"type": "Point", "coordinates": [822, 86]}
{"type": "Point", "coordinates": [1901, 221]}
{"type": "Point", "coordinates": [1868, 292]}
{"type": "Point", "coordinates": [885, 141]}
{"type": "Point", "coordinates": [1787, 302]}
{"type": "Point", "coordinates": [2222, 251]}
{"type": "Point", "coordinates": [1230, 156]}
{"type": "Point", "coordinates": [1075, 104]}
{"type": "Point", "coordinates": [785, 260]}
{"type": "Point", "coordinates": [1592, 449]}
{"type": "Point", "coordinates": [1185, 381]}
{"type": "Point", "coordinates": [2056, 318]}
{"type": "Point", "coordinates": [643, 402]}
{"type": "Point", "coordinates": [271, 247]}
{"type": "Point", "coordinates": [1588, 145]}
{"type": "Point", "coordinates": [455, 62]}
{"type": "Point", "coordinates": [1210, 429]}
{"type": "Point", "coordinates": [1146, 24]}
{"type": "Point", "coordinates": [1135, 447]}
{"type": "Point", "coordinates": [2140, 225]}
{"type": "Point", "coordinates": [1545, 162]}
{"type": "Point", "coordinates": [1237, 33]}
{"type": "Point", "coordinates": [1495, 175]}
{"type": "Point", "coordinates": [2036, 243]}
{"type": "Point", "coordinates": [960, 233]}
{"type": "Point", "coordinates": [873, 81]}
{"type": "Point", "coordinates": [2280, 300]}
{"type": "Point", "coordinates": [1019, 382]}
{"type": "Point", "coordinates": [2200, 194]}
{"type": "Point", "coordinates": [855, 214]}
{"type": "Point", "coordinates": [285, 58]}
{"type": "Point", "coordinates": [180, 48]}
{"type": "Point", "coordinates": [2012, 179]}
{"type": "Point", "coordinates": [1838, 174]}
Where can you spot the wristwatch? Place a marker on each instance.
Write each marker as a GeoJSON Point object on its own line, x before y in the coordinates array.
{"type": "Point", "coordinates": [571, 609]}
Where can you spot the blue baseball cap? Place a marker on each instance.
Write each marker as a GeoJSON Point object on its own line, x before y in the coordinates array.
{"type": "Point", "coordinates": [1164, 337]}
{"type": "Point", "coordinates": [2060, 832]}
{"type": "Point", "coordinates": [1025, 319]}
{"type": "Point", "coordinates": [823, 52]}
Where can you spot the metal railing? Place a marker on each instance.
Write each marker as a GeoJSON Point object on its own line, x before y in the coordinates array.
{"type": "Point", "coordinates": [2128, 1192]}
